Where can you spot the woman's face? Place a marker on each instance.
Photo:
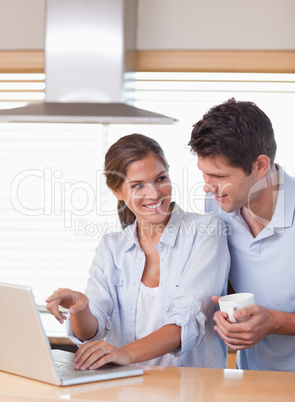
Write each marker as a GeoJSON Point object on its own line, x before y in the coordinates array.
{"type": "Point", "coordinates": [146, 191]}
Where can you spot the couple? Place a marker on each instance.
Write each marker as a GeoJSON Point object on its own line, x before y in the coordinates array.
{"type": "Point", "coordinates": [148, 298]}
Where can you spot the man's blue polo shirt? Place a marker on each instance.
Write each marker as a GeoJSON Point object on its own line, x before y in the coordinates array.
{"type": "Point", "coordinates": [265, 266]}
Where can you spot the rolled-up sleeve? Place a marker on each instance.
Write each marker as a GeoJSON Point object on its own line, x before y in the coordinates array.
{"type": "Point", "coordinates": [191, 320]}
{"type": "Point", "coordinates": [100, 298]}
{"type": "Point", "coordinates": [204, 274]}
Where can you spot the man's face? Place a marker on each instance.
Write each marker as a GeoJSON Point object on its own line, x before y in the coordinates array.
{"type": "Point", "coordinates": [231, 187]}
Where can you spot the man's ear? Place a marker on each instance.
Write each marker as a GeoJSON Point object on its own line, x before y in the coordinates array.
{"type": "Point", "coordinates": [262, 165]}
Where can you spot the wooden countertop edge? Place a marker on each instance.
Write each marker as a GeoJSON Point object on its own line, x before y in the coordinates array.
{"type": "Point", "coordinates": [60, 340]}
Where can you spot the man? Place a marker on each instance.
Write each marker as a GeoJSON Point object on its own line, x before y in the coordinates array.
{"type": "Point", "coordinates": [236, 149]}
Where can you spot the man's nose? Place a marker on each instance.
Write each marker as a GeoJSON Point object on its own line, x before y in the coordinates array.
{"type": "Point", "coordinates": [209, 188]}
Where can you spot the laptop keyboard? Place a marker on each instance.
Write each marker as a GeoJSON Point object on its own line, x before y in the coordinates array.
{"type": "Point", "coordinates": [63, 369]}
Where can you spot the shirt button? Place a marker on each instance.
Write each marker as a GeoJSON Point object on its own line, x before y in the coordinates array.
{"type": "Point", "coordinates": [166, 309]}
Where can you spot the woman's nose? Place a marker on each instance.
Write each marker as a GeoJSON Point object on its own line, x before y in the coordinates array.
{"type": "Point", "coordinates": [152, 191]}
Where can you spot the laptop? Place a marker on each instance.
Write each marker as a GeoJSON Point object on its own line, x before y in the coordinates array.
{"type": "Point", "coordinates": [25, 348]}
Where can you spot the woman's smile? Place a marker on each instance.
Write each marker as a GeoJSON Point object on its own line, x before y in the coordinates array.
{"type": "Point", "coordinates": [147, 191]}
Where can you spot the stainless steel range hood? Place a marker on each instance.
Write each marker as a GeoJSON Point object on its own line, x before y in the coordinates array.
{"type": "Point", "coordinates": [90, 49]}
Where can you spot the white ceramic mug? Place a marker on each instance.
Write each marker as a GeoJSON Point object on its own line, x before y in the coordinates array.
{"type": "Point", "coordinates": [231, 303]}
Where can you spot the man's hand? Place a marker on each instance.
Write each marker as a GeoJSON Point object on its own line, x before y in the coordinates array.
{"type": "Point", "coordinates": [254, 323]}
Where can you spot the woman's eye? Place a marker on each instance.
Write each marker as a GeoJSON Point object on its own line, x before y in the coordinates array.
{"type": "Point", "coordinates": [138, 185]}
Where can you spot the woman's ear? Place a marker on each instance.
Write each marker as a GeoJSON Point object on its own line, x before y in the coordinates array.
{"type": "Point", "coordinates": [262, 165]}
{"type": "Point", "coordinates": [118, 194]}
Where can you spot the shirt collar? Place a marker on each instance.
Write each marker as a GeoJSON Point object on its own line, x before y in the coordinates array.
{"type": "Point", "coordinates": [172, 227]}
{"type": "Point", "coordinates": [169, 235]}
{"type": "Point", "coordinates": [284, 211]}
{"type": "Point", "coordinates": [130, 234]}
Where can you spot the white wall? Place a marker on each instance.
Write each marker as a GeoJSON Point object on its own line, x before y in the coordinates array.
{"type": "Point", "coordinates": [173, 24]}
{"type": "Point", "coordinates": [22, 24]}
{"type": "Point", "coordinates": [216, 24]}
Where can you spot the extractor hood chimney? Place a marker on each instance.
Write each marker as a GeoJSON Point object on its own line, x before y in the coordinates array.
{"type": "Point", "coordinates": [90, 49]}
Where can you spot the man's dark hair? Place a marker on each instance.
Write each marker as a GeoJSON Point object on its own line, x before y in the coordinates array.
{"type": "Point", "coordinates": [239, 131]}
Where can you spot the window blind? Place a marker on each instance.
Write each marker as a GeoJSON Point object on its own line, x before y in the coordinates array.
{"type": "Point", "coordinates": [50, 204]}
{"type": "Point", "coordinates": [54, 205]}
{"type": "Point", "coordinates": [18, 90]}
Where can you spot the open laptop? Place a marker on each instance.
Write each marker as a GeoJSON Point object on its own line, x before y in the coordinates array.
{"type": "Point", "coordinates": [25, 349]}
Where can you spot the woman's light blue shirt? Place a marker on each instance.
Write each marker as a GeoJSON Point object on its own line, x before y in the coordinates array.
{"type": "Point", "coordinates": [194, 264]}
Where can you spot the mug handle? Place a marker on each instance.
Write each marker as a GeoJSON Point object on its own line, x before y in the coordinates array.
{"type": "Point", "coordinates": [230, 312]}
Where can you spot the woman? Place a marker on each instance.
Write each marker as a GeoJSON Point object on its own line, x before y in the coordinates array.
{"type": "Point", "coordinates": [148, 298]}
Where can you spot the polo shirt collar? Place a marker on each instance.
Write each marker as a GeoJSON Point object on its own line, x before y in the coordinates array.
{"type": "Point", "coordinates": [284, 212]}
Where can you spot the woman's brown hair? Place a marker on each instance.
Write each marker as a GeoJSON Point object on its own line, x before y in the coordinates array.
{"type": "Point", "coordinates": [121, 154]}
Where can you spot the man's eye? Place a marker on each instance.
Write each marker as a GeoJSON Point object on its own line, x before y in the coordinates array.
{"type": "Point", "coordinates": [162, 178]}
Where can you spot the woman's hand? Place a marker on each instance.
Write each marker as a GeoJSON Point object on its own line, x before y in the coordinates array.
{"type": "Point", "coordinates": [67, 298]}
{"type": "Point", "coordinates": [94, 354]}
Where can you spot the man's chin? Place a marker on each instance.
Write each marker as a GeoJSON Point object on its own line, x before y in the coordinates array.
{"type": "Point", "coordinates": [225, 206]}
